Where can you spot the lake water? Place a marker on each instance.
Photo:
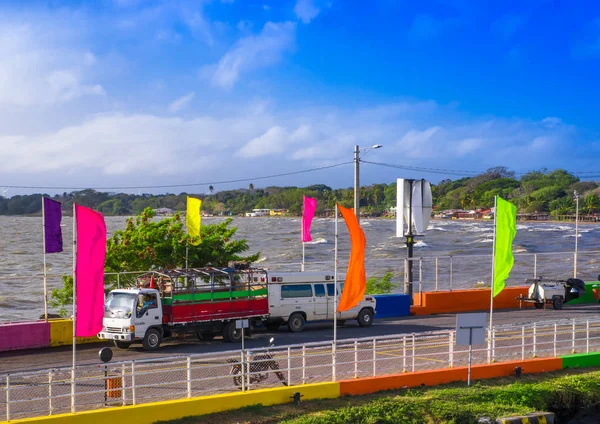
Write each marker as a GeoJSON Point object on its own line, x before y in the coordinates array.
{"type": "Point", "coordinates": [542, 248]}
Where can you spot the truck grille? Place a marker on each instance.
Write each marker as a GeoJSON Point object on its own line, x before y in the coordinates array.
{"type": "Point", "coordinates": [113, 330]}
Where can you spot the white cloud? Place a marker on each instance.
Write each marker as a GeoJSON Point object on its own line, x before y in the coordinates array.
{"type": "Point", "coordinates": [181, 103]}
{"type": "Point", "coordinates": [306, 10]}
{"type": "Point", "coordinates": [39, 71]}
{"type": "Point", "coordinates": [271, 142]}
{"type": "Point", "coordinates": [251, 53]}
{"type": "Point", "coordinates": [116, 149]}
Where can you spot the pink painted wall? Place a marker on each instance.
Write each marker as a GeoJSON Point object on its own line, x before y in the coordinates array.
{"type": "Point", "coordinates": [24, 335]}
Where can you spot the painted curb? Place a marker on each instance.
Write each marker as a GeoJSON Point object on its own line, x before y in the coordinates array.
{"type": "Point", "coordinates": [170, 410]}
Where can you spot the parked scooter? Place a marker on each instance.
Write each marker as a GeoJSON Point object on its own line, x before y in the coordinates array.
{"type": "Point", "coordinates": [260, 366]}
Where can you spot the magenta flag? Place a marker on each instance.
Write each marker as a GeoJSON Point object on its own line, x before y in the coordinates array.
{"type": "Point", "coordinates": [308, 212]}
{"type": "Point", "coordinates": [89, 271]}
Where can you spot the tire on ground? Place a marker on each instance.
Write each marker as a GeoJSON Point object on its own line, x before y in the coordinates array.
{"type": "Point", "coordinates": [231, 334]}
{"type": "Point", "coordinates": [365, 317]}
{"type": "Point", "coordinates": [122, 344]}
{"type": "Point", "coordinates": [296, 322]}
{"type": "Point", "coordinates": [152, 339]}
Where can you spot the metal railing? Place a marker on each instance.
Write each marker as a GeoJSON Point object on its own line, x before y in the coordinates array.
{"type": "Point", "coordinates": [30, 394]}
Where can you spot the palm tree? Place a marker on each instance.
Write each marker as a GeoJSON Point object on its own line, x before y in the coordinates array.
{"type": "Point", "coordinates": [591, 202]}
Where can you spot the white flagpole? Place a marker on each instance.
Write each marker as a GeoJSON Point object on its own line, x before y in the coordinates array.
{"type": "Point", "coordinates": [44, 250]}
{"type": "Point", "coordinates": [74, 308]}
{"type": "Point", "coordinates": [302, 269]}
{"type": "Point", "coordinates": [335, 294]}
{"type": "Point", "coordinates": [492, 285]}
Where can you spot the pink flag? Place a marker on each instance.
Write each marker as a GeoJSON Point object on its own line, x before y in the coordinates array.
{"type": "Point", "coordinates": [89, 271]}
{"type": "Point", "coordinates": [308, 212]}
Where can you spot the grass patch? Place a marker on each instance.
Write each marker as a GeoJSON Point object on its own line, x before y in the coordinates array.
{"type": "Point", "coordinates": [566, 392]}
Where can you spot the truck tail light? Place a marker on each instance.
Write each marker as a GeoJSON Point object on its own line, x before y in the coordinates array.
{"type": "Point", "coordinates": [369, 299]}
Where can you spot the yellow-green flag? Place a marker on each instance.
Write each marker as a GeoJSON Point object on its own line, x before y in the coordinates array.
{"type": "Point", "coordinates": [506, 228]}
{"type": "Point", "coordinates": [193, 218]}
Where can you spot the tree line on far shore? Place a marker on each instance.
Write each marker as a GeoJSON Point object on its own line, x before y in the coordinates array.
{"type": "Point", "coordinates": [537, 191]}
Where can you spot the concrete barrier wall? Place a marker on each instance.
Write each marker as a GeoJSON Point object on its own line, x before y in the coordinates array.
{"type": "Point", "coordinates": [392, 305]}
{"type": "Point", "coordinates": [588, 296]}
{"type": "Point", "coordinates": [24, 335]}
{"type": "Point", "coordinates": [448, 375]}
{"type": "Point", "coordinates": [444, 302]}
{"type": "Point", "coordinates": [61, 333]}
{"type": "Point", "coordinates": [171, 410]}
{"type": "Point", "coordinates": [581, 360]}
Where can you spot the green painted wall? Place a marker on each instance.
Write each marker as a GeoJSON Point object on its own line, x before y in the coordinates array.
{"type": "Point", "coordinates": [588, 297]}
{"type": "Point", "coordinates": [581, 360]}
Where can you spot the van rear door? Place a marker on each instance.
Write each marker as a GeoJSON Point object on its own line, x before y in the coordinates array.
{"type": "Point", "coordinates": [320, 301]}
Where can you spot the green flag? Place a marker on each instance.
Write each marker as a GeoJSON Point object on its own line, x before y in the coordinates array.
{"type": "Point", "coordinates": [506, 228]}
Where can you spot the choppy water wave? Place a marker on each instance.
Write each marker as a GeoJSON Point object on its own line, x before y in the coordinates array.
{"type": "Point", "coordinates": [278, 241]}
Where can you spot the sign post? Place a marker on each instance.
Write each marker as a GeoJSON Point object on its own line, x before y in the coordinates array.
{"type": "Point", "coordinates": [240, 324]}
{"type": "Point", "coordinates": [470, 330]}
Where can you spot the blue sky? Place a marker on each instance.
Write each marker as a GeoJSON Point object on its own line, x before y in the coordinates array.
{"type": "Point", "coordinates": [124, 93]}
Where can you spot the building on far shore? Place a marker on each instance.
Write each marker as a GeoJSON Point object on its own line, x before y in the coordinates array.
{"type": "Point", "coordinates": [163, 212]}
{"type": "Point", "coordinates": [278, 212]}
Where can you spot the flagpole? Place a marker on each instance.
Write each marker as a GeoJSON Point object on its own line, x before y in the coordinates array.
{"type": "Point", "coordinates": [335, 294]}
{"type": "Point", "coordinates": [74, 308]}
{"type": "Point", "coordinates": [44, 250]}
{"type": "Point", "coordinates": [492, 285]}
{"type": "Point", "coordinates": [302, 269]}
{"type": "Point", "coordinates": [186, 254]}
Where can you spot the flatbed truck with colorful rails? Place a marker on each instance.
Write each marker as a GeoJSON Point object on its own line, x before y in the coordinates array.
{"type": "Point", "coordinates": [207, 302]}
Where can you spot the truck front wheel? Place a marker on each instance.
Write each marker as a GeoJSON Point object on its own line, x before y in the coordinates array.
{"type": "Point", "coordinates": [231, 334]}
{"type": "Point", "coordinates": [152, 339]}
{"type": "Point", "coordinates": [122, 345]}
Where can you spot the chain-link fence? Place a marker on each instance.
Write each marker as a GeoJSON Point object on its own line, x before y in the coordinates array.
{"type": "Point", "coordinates": [136, 382]}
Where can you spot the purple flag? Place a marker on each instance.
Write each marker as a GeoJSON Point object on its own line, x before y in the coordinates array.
{"type": "Point", "coordinates": [52, 231]}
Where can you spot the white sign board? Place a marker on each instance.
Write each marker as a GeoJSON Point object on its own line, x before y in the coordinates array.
{"type": "Point", "coordinates": [241, 323]}
{"type": "Point", "coordinates": [413, 206]}
{"type": "Point", "coordinates": [470, 329]}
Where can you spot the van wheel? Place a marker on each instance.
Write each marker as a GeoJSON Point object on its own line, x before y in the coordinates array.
{"type": "Point", "coordinates": [152, 339]}
{"type": "Point", "coordinates": [273, 325]}
{"type": "Point", "coordinates": [296, 322]}
{"type": "Point", "coordinates": [557, 303]}
{"type": "Point", "coordinates": [365, 317]}
{"type": "Point", "coordinates": [122, 345]}
{"type": "Point", "coordinates": [231, 334]}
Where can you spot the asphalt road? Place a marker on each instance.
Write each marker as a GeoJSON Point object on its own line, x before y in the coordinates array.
{"type": "Point", "coordinates": [39, 359]}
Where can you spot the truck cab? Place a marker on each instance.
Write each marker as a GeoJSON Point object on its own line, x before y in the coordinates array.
{"type": "Point", "coordinates": [133, 315]}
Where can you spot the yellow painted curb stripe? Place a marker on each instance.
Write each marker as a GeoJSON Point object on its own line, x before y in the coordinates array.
{"type": "Point", "coordinates": [174, 409]}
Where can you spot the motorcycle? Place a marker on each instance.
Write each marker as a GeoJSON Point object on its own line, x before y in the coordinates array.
{"type": "Point", "coordinates": [259, 367]}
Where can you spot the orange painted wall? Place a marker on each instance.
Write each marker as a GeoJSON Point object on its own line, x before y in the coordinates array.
{"type": "Point", "coordinates": [466, 300]}
{"type": "Point", "coordinates": [441, 376]}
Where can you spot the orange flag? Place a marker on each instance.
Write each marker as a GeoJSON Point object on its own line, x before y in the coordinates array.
{"type": "Point", "coordinates": [356, 278]}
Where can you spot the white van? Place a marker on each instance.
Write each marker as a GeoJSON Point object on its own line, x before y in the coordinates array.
{"type": "Point", "coordinates": [297, 297]}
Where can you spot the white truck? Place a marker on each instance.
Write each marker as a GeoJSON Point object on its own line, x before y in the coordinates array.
{"type": "Point", "coordinates": [298, 297]}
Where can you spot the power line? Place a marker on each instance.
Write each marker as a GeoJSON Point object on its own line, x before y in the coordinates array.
{"type": "Point", "coordinates": [456, 172]}
{"type": "Point", "coordinates": [284, 174]}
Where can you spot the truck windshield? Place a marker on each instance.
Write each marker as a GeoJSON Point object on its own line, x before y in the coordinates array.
{"type": "Point", "coordinates": [119, 305]}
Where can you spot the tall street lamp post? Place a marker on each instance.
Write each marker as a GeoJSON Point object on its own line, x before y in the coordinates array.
{"type": "Point", "coordinates": [576, 197]}
{"type": "Point", "coordinates": [357, 175]}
